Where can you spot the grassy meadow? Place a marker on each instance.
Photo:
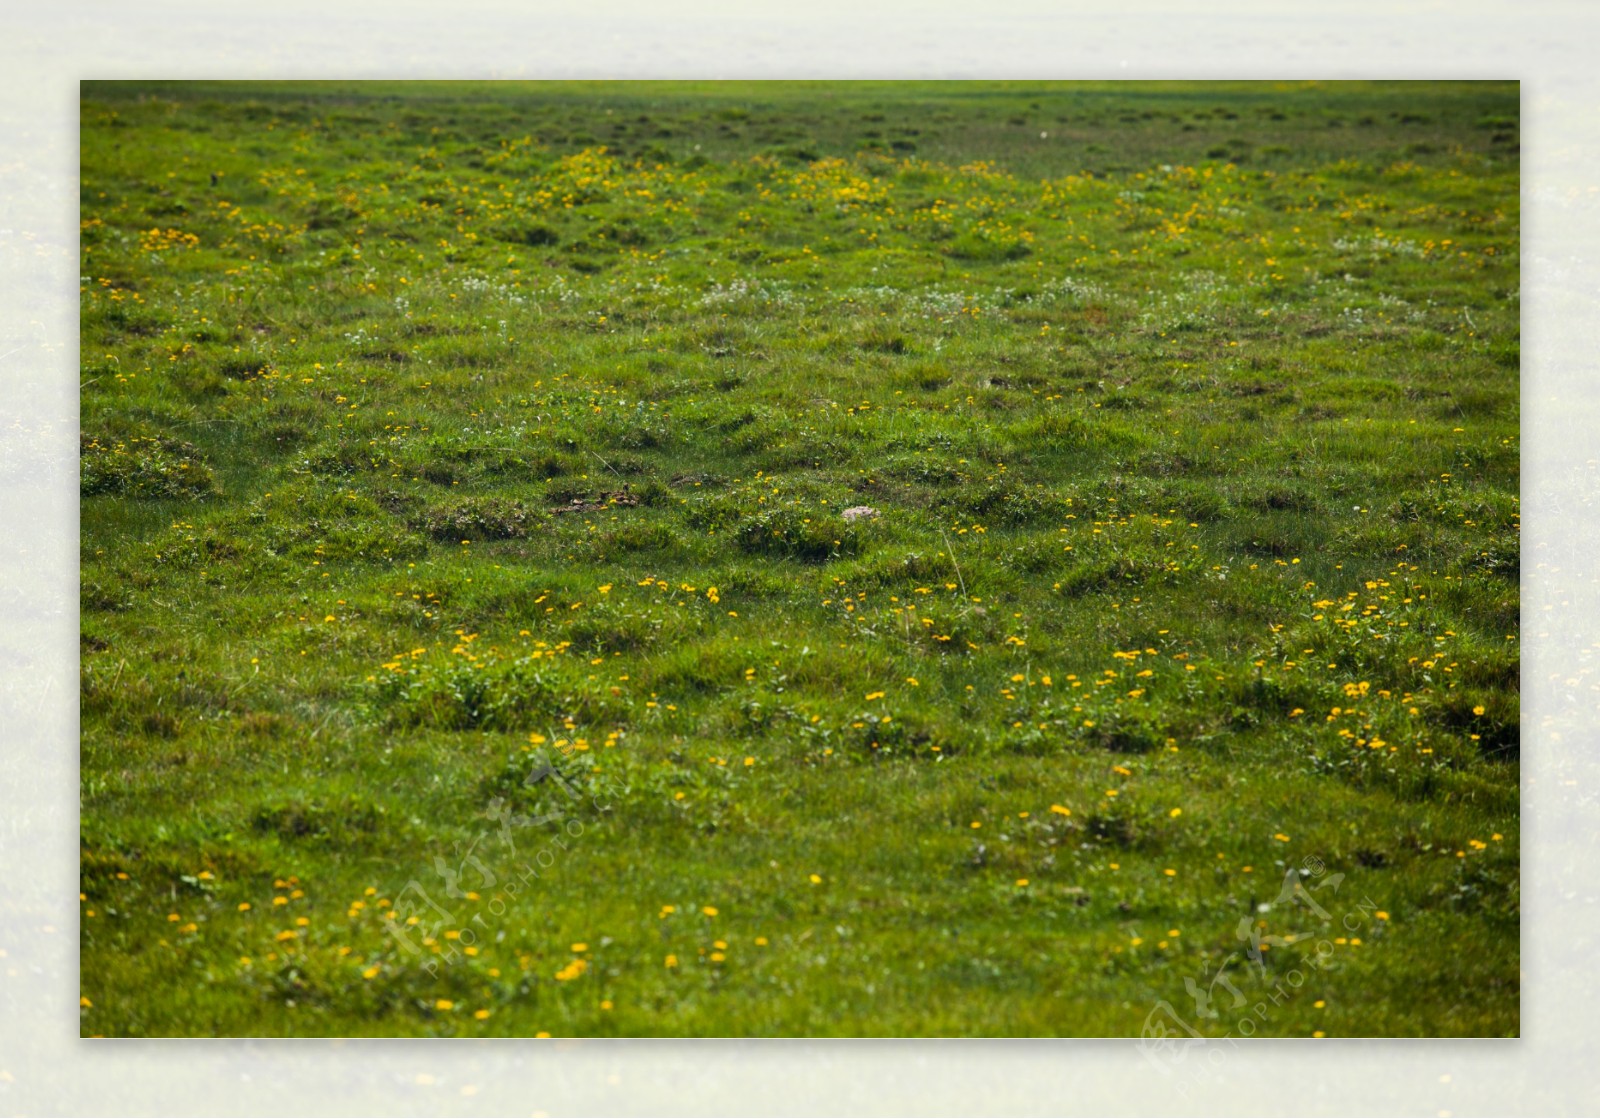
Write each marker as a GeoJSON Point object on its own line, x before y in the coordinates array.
{"type": "Point", "coordinates": [799, 559]}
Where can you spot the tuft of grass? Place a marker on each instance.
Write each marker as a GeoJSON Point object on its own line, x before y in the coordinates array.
{"type": "Point", "coordinates": [143, 466]}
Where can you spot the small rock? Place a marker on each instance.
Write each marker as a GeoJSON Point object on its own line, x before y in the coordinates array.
{"type": "Point", "coordinates": [856, 512]}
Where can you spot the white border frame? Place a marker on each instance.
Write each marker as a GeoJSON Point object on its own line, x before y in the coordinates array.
{"type": "Point", "coordinates": [46, 1069]}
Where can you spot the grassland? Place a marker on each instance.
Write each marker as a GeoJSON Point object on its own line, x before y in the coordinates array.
{"type": "Point", "coordinates": [465, 472]}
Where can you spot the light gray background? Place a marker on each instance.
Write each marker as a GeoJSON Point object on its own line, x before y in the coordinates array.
{"type": "Point", "coordinates": [47, 48]}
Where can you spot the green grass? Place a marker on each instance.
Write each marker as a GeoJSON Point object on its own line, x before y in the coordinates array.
{"type": "Point", "coordinates": [432, 433]}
